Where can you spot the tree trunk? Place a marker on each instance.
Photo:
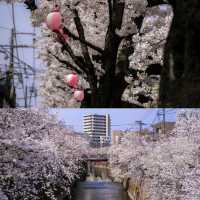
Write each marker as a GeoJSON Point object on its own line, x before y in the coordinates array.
{"type": "Point", "coordinates": [111, 92]}
{"type": "Point", "coordinates": [180, 79]}
{"type": "Point", "coordinates": [109, 64]}
{"type": "Point", "coordinates": [105, 93]}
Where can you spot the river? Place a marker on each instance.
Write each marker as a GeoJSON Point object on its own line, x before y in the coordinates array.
{"type": "Point", "coordinates": [99, 190]}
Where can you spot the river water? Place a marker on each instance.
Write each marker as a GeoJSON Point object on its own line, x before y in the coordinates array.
{"type": "Point", "coordinates": [99, 190]}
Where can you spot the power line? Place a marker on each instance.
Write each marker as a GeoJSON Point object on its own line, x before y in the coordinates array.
{"type": "Point", "coordinates": [26, 33]}
{"type": "Point", "coordinates": [141, 124]}
{"type": "Point", "coordinates": [17, 71]}
{"type": "Point", "coordinates": [17, 46]}
{"type": "Point", "coordinates": [122, 125]}
{"type": "Point", "coordinates": [163, 114]}
{"type": "Point", "coordinates": [21, 71]}
{"type": "Point", "coordinates": [18, 59]}
{"type": "Point", "coordinates": [5, 28]}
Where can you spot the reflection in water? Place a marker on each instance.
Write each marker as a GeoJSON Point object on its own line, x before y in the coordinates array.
{"type": "Point", "coordinates": [99, 190]}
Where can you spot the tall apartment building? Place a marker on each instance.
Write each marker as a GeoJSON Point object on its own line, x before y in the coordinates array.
{"type": "Point", "coordinates": [97, 127]}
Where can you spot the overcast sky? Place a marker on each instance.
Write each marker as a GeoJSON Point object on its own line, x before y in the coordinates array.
{"type": "Point", "coordinates": [121, 118]}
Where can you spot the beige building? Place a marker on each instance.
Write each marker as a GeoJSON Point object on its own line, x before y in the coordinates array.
{"type": "Point", "coordinates": [74, 138]}
{"type": "Point", "coordinates": [117, 137]}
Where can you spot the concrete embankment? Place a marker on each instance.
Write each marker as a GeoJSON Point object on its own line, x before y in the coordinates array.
{"type": "Point", "coordinates": [133, 186]}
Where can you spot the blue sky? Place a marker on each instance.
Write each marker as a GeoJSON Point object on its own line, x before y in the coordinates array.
{"type": "Point", "coordinates": [21, 18]}
{"type": "Point", "coordinates": [121, 118]}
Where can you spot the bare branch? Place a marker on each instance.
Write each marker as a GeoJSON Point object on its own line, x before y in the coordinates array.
{"type": "Point", "coordinates": [91, 76]}
{"type": "Point", "coordinates": [69, 50]}
{"type": "Point", "coordinates": [152, 3]}
{"type": "Point", "coordinates": [69, 65]}
{"type": "Point", "coordinates": [84, 47]}
{"type": "Point", "coordinates": [72, 35]}
{"type": "Point", "coordinates": [139, 21]}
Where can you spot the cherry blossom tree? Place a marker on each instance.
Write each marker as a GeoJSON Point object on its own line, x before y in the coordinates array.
{"type": "Point", "coordinates": [39, 158]}
{"type": "Point", "coordinates": [164, 169]}
{"type": "Point", "coordinates": [179, 82]}
{"type": "Point", "coordinates": [114, 46]}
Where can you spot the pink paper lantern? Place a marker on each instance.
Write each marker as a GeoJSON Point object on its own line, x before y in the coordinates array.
{"type": "Point", "coordinates": [54, 20]}
{"type": "Point", "coordinates": [71, 80]}
{"type": "Point", "coordinates": [79, 95]}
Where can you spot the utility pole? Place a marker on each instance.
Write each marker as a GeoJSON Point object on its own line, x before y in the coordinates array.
{"type": "Point", "coordinates": [164, 120]}
{"type": "Point", "coordinates": [26, 95]}
{"type": "Point", "coordinates": [10, 96]}
{"type": "Point", "coordinates": [141, 124]}
{"type": "Point", "coordinates": [11, 66]}
{"type": "Point", "coordinates": [163, 114]}
{"type": "Point", "coordinates": [17, 67]}
{"type": "Point", "coordinates": [12, 70]}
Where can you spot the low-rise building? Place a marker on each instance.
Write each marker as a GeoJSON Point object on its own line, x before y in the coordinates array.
{"type": "Point", "coordinates": [161, 128]}
{"type": "Point", "coordinates": [74, 138]}
{"type": "Point", "coordinates": [117, 137]}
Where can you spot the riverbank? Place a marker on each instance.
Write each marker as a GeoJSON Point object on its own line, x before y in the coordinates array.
{"type": "Point", "coordinates": [131, 186]}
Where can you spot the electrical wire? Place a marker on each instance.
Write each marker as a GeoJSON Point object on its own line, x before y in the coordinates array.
{"type": "Point", "coordinates": [21, 67]}
{"type": "Point", "coordinates": [5, 28]}
{"type": "Point", "coordinates": [21, 61]}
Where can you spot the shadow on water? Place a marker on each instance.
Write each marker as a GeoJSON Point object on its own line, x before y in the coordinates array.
{"type": "Point", "coordinates": [99, 190]}
{"type": "Point", "coordinates": [98, 185]}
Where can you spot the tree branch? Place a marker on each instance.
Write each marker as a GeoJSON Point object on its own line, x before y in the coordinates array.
{"type": "Point", "coordinates": [69, 50]}
{"type": "Point", "coordinates": [72, 35]}
{"type": "Point", "coordinates": [91, 75]}
{"type": "Point", "coordinates": [110, 11]}
{"type": "Point", "coordinates": [118, 12]}
{"type": "Point", "coordinates": [84, 47]}
{"type": "Point", "coordinates": [139, 21]}
{"type": "Point", "coordinates": [70, 66]}
{"type": "Point", "coordinates": [152, 3]}
{"type": "Point", "coordinates": [83, 65]}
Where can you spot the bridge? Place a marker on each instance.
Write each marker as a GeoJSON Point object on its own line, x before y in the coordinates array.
{"type": "Point", "coordinates": [97, 159]}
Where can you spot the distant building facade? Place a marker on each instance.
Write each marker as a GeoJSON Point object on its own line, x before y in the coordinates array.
{"type": "Point", "coordinates": [97, 128]}
{"type": "Point", "coordinates": [117, 137]}
{"type": "Point", "coordinates": [74, 138]}
{"type": "Point", "coordinates": [160, 127]}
